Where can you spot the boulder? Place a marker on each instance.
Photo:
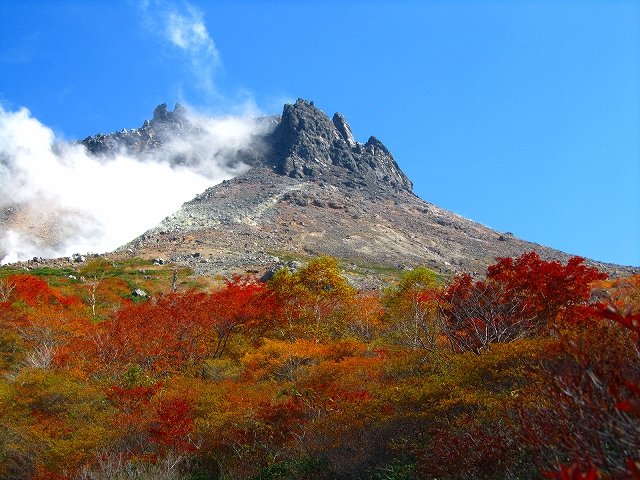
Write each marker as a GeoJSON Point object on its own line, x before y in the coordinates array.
{"type": "Point", "coordinates": [291, 266]}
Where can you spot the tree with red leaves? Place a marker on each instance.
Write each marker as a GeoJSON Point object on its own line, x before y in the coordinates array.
{"type": "Point", "coordinates": [242, 305]}
{"type": "Point", "coordinates": [474, 314]}
{"type": "Point", "coordinates": [173, 424]}
{"type": "Point", "coordinates": [519, 297]}
{"type": "Point", "coordinates": [589, 416]}
{"type": "Point", "coordinates": [550, 291]}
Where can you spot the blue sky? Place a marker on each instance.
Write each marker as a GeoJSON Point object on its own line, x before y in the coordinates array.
{"type": "Point", "coordinates": [523, 116]}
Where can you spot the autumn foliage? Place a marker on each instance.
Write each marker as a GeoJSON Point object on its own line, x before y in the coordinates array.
{"type": "Point", "coordinates": [531, 370]}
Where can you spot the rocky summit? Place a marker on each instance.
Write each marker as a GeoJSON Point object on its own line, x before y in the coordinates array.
{"type": "Point", "coordinates": [307, 145]}
{"type": "Point", "coordinates": [314, 190]}
{"type": "Point", "coordinates": [170, 128]}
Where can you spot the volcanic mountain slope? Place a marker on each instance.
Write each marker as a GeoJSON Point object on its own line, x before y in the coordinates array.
{"type": "Point", "coordinates": [314, 190]}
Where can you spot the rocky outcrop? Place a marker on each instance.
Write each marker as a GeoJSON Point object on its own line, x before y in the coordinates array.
{"type": "Point", "coordinates": [302, 143]}
{"type": "Point", "coordinates": [307, 144]}
{"type": "Point", "coordinates": [161, 115]}
{"type": "Point", "coordinates": [183, 139]}
{"type": "Point", "coordinates": [163, 127]}
{"type": "Point", "coordinates": [345, 130]}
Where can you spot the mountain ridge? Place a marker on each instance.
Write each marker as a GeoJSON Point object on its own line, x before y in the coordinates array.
{"type": "Point", "coordinates": [317, 191]}
{"type": "Point", "coordinates": [309, 189]}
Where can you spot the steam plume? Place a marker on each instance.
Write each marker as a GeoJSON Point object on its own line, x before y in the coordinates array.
{"type": "Point", "coordinates": [57, 199]}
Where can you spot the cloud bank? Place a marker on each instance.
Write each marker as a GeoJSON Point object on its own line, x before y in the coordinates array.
{"type": "Point", "coordinates": [56, 199]}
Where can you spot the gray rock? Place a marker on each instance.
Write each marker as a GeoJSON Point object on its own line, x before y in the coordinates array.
{"type": "Point", "coordinates": [138, 292]}
{"type": "Point", "coordinates": [301, 201]}
{"type": "Point", "coordinates": [166, 126]}
{"type": "Point", "coordinates": [306, 144]}
{"type": "Point", "coordinates": [268, 275]}
{"type": "Point", "coordinates": [291, 266]}
{"type": "Point", "coordinates": [345, 130]}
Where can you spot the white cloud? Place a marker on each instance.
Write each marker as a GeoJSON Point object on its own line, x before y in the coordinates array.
{"type": "Point", "coordinates": [190, 34]}
{"type": "Point", "coordinates": [185, 29]}
{"type": "Point", "coordinates": [56, 199]}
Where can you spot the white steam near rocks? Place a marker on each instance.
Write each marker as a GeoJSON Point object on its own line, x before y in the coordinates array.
{"type": "Point", "coordinates": [57, 199]}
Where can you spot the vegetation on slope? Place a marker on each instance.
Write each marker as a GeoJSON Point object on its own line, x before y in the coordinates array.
{"type": "Point", "coordinates": [517, 374]}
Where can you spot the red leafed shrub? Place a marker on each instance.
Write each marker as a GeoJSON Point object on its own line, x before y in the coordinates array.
{"type": "Point", "coordinates": [181, 330]}
{"type": "Point", "coordinates": [551, 291]}
{"type": "Point", "coordinates": [589, 417]}
{"type": "Point", "coordinates": [33, 291]}
{"type": "Point", "coordinates": [475, 314]}
{"type": "Point", "coordinates": [519, 297]}
{"type": "Point", "coordinates": [132, 399]}
{"type": "Point", "coordinates": [573, 472]}
{"type": "Point", "coordinates": [476, 452]}
{"type": "Point", "coordinates": [172, 424]}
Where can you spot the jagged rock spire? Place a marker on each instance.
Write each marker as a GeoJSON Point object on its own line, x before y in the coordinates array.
{"type": "Point", "coordinates": [308, 144]}
{"type": "Point", "coordinates": [304, 144]}
{"type": "Point", "coordinates": [162, 115]}
{"type": "Point", "coordinates": [345, 130]}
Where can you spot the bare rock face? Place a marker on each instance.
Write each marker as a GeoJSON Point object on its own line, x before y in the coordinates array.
{"type": "Point", "coordinates": [162, 115]}
{"type": "Point", "coordinates": [302, 143]}
{"type": "Point", "coordinates": [167, 128]}
{"type": "Point", "coordinates": [163, 127]}
{"type": "Point", "coordinates": [307, 144]}
{"type": "Point", "coordinates": [345, 130]}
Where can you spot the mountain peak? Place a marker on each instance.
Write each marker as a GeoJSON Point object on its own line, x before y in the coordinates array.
{"type": "Point", "coordinates": [307, 144]}
{"type": "Point", "coordinates": [162, 115]}
{"type": "Point", "coordinates": [308, 188]}
{"type": "Point", "coordinates": [303, 143]}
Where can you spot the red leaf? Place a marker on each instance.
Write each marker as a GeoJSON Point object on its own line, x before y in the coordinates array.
{"type": "Point", "coordinates": [632, 406]}
{"type": "Point", "coordinates": [573, 472]}
{"type": "Point", "coordinates": [629, 320]}
{"type": "Point", "coordinates": [634, 468]}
